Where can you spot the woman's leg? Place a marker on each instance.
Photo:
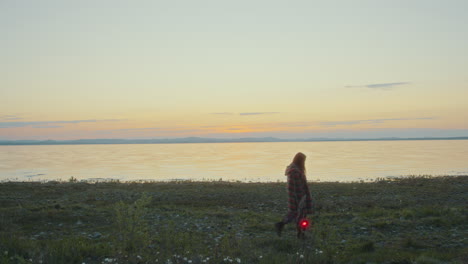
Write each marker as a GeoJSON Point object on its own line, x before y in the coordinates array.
{"type": "Point", "coordinates": [290, 217]}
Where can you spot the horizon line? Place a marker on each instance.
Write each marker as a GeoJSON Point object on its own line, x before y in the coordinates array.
{"type": "Point", "coordinates": [187, 140]}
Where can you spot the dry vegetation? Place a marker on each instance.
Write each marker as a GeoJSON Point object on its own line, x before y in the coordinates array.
{"type": "Point", "coordinates": [408, 220]}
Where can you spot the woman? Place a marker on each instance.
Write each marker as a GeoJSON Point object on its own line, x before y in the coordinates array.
{"type": "Point", "coordinates": [299, 202]}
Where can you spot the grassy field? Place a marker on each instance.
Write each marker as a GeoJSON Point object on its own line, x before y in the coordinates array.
{"type": "Point", "coordinates": [410, 220]}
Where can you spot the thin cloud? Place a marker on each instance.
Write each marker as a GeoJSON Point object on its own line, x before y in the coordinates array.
{"type": "Point", "coordinates": [153, 129]}
{"type": "Point", "coordinates": [258, 113]}
{"type": "Point", "coordinates": [371, 121]}
{"type": "Point", "coordinates": [264, 126]}
{"type": "Point", "coordinates": [340, 123]}
{"type": "Point", "coordinates": [294, 124]}
{"type": "Point", "coordinates": [223, 113]}
{"type": "Point", "coordinates": [10, 117]}
{"type": "Point", "coordinates": [51, 123]}
{"type": "Point", "coordinates": [245, 113]}
{"type": "Point", "coordinates": [50, 126]}
{"type": "Point", "coordinates": [380, 86]}
{"type": "Point", "coordinates": [137, 129]}
{"type": "Point", "coordinates": [182, 130]}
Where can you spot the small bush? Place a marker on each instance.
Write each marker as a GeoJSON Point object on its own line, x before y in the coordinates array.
{"type": "Point", "coordinates": [427, 260]}
{"type": "Point", "coordinates": [73, 179]}
{"type": "Point", "coordinates": [367, 246]}
{"type": "Point", "coordinates": [132, 228]}
{"type": "Point", "coordinates": [411, 243]}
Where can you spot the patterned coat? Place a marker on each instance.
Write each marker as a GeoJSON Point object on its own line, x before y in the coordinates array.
{"type": "Point", "coordinates": [297, 189]}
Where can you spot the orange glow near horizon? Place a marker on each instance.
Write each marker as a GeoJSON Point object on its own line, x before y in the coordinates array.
{"type": "Point", "coordinates": [88, 129]}
{"type": "Point", "coordinates": [180, 70]}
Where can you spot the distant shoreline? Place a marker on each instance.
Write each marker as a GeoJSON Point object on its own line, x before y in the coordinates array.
{"type": "Point", "coordinates": [189, 140]}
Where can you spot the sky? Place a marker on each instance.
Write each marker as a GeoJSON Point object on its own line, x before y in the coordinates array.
{"type": "Point", "coordinates": [232, 69]}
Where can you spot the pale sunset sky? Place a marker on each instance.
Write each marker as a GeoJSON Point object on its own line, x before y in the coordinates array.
{"type": "Point", "coordinates": [231, 69]}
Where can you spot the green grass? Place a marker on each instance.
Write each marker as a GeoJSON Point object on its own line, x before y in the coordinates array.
{"type": "Point", "coordinates": [407, 220]}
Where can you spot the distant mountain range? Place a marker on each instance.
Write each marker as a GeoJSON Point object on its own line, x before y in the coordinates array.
{"type": "Point", "coordinates": [203, 140]}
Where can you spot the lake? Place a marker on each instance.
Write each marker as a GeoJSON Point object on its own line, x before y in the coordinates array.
{"type": "Point", "coordinates": [258, 162]}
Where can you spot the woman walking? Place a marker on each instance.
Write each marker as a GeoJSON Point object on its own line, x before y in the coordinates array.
{"type": "Point", "coordinates": [299, 200]}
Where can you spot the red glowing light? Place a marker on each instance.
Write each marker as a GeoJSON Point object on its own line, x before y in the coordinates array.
{"type": "Point", "coordinates": [304, 224]}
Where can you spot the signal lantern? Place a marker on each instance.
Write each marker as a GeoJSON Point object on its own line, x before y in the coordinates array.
{"type": "Point", "coordinates": [304, 224]}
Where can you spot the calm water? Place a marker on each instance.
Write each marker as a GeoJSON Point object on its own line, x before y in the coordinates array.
{"type": "Point", "coordinates": [326, 161]}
